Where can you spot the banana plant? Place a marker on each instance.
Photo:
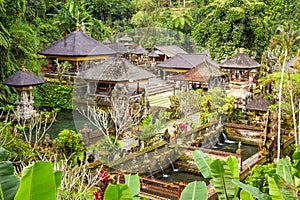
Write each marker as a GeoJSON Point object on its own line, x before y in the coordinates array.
{"type": "Point", "coordinates": [220, 172]}
{"type": "Point", "coordinates": [284, 185]}
{"type": "Point", "coordinates": [9, 183]}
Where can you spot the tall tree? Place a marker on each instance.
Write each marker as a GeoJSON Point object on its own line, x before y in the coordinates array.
{"type": "Point", "coordinates": [283, 43]}
{"type": "Point", "coordinates": [224, 26]}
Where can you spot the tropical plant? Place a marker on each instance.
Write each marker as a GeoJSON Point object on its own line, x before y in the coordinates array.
{"type": "Point", "coordinates": [220, 172]}
{"type": "Point", "coordinates": [284, 184]}
{"type": "Point", "coordinates": [39, 181]}
{"type": "Point", "coordinates": [224, 26]}
{"type": "Point", "coordinates": [194, 191]}
{"type": "Point", "coordinates": [283, 43]}
{"type": "Point", "coordinates": [258, 176]}
{"type": "Point", "coordinates": [9, 183]}
{"type": "Point", "coordinates": [68, 144]}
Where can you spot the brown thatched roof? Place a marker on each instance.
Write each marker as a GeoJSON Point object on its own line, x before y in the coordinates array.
{"type": "Point", "coordinates": [119, 48]}
{"type": "Point", "coordinates": [139, 51]}
{"type": "Point", "coordinates": [258, 104]}
{"type": "Point", "coordinates": [185, 61]}
{"type": "Point", "coordinates": [201, 73]}
{"type": "Point", "coordinates": [240, 61]}
{"type": "Point", "coordinates": [22, 79]}
{"type": "Point", "coordinates": [116, 70]}
{"type": "Point", "coordinates": [170, 51]}
{"type": "Point", "coordinates": [77, 44]}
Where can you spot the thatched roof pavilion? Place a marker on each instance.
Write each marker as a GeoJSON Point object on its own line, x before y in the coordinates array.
{"type": "Point", "coordinates": [200, 76]}
{"type": "Point", "coordinates": [23, 78]}
{"type": "Point", "coordinates": [166, 52]}
{"type": "Point", "coordinates": [240, 61]}
{"type": "Point", "coordinates": [116, 70]}
{"type": "Point", "coordinates": [77, 46]}
{"type": "Point", "coordinates": [181, 63]}
{"type": "Point", "coordinates": [104, 75]}
{"type": "Point", "coordinates": [24, 82]}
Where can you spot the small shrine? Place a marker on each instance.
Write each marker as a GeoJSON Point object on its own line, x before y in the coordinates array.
{"type": "Point", "coordinates": [24, 81]}
{"type": "Point", "coordinates": [241, 71]}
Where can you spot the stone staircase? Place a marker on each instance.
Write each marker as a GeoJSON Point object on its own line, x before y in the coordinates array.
{"type": "Point", "coordinates": [160, 100]}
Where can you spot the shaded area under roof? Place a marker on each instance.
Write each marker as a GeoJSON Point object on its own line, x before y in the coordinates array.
{"type": "Point", "coordinates": [201, 73]}
{"type": "Point", "coordinates": [119, 48]}
{"type": "Point", "coordinates": [116, 70]}
{"type": "Point", "coordinates": [258, 104]}
{"type": "Point", "coordinates": [22, 79]}
{"type": "Point", "coordinates": [170, 51]}
{"type": "Point", "coordinates": [185, 61]}
{"type": "Point", "coordinates": [240, 61]}
{"type": "Point", "coordinates": [77, 44]}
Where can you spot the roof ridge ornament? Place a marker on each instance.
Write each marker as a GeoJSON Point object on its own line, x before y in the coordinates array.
{"type": "Point", "coordinates": [23, 68]}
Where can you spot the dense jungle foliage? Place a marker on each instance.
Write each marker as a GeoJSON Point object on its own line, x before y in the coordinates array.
{"type": "Point", "coordinates": [220, 25]}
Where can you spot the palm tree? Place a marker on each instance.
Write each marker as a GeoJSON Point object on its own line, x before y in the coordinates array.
{"type": "Point", "coordinates": [283, 43]}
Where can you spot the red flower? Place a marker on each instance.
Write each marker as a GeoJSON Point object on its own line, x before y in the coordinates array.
{"type": "Point", "coordinates": [104, 176]}
{"type": "Point", "coordinates": [97, 196]}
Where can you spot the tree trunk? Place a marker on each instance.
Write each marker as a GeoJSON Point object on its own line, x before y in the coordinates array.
{"type": "Point", "coordinates": [294, 117]}
{"type": "Point", "coordinates": [279, 106]}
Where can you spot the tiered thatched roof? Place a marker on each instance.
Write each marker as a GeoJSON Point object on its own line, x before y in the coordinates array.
{"type": "Point", "coordinates": [116, 70]}
{"type": "Point", "coordinates": [240, 61]}
{"type": "Point", "coordinates": [201, 73]}
{"type": "Point", "coordinates": [23, 79]}
{"type": "Point", "coordinates": [185, 61]}
{"type": "Point", "coordinates": [76, 44]}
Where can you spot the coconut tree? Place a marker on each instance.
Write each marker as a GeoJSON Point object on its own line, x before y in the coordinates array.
{"type": "Point", "coordinates": [283, 44]}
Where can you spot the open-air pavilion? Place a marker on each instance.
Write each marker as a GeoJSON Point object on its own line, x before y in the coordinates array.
{"type": "Point", "coordinates": [204, 76]}
{"type": "Point", "coordinates": [166, 52]}
{"type": "Point", "coordinates": [104, 76]}
{"type": "Point", "coordinates": [181, 63]}
{"type": "Point", "coordinates": [24, 82]}
{"type": "Point", "coordinates": [76, 47]}
{"type": "Point", "coordinates": [240, 71]}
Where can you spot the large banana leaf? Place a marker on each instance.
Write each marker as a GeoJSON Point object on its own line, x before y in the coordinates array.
{"type": "Point", "coordinates": [284, 169]}
{"type": "Point", "coordinates": [117, 192]}
{"type": "Point", "coordinates": [39, 182]}
{"type": "Point", "coordinates": [133, 183]}
{"type": "Point", "coordinates": [244, 195]}
{"type": "Point", "coordinates": [9, 183]}
{"type": "Point", "coordinates": [274, 190]}
{"type": "Point", "coordinates": [233, 165]}
{"type": "Point", "coordinates": [286, 190]}
{"type": "Point", "coordinates": [194, 191]}
{"type": "Point", "coordinates": [254, 191]}
{"type": "Point", "coordinates": [221, 180]}
{"type": "Point", "coordinates": [203, 162]}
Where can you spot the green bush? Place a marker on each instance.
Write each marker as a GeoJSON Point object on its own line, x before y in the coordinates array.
{"type": "Point", "coordinates": [53, 96]}
{"type": "Point", "coordinates": [258, 176]}
{"type": "Point", "coordinates": [68, 144]}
